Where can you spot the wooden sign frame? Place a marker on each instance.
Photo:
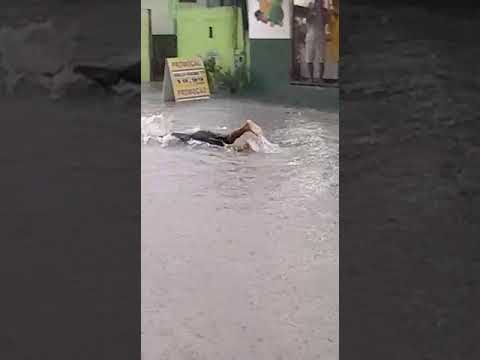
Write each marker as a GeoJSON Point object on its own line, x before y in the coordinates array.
{"type": "Point", "coordinates": [185, 80]}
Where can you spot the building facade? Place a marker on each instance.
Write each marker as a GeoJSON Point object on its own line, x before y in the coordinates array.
{"type": "Point", "coordinates": [278, 64]}
{"type": "Point", "coordinates": [163, 41]}
{"type": "Point", "coordinates": [268, 36]}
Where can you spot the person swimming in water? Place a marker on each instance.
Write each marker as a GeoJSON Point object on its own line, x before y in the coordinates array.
{"type": "Point", "coordinates": [220, 139]}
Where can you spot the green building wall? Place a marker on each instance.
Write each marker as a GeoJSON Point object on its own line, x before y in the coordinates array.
{"type": "Point", "coordinates": [192, 37]}
{"type": "Point", "coordinates": [270, 77]}
{"type": "Point", "coordinates": [193, 33]}
{"type": "Point", "coordinates": [145, 46]}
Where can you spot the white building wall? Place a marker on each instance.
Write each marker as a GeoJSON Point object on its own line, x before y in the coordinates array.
{"type": "Point", "coordinates": [162, 22]}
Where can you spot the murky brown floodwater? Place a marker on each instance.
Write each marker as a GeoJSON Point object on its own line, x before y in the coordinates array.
{"type": "Point", "coordinates": [239, 251]}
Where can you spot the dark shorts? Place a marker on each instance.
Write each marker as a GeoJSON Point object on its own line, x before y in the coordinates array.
{"type": "Point", "coordinates": [204, 136]}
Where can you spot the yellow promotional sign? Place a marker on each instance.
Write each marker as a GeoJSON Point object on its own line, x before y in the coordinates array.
{"type": "Point", "coordinates": [185, 79]}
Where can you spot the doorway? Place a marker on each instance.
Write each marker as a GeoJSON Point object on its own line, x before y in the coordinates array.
{"type": "Point", "coordinates": [315, 43]}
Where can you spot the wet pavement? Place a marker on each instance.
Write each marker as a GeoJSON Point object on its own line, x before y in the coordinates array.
{"type": "Point", "coordinates": [239, 250]}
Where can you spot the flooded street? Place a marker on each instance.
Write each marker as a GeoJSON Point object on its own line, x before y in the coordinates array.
{"type": "Point", "coordinates": [239, 250]}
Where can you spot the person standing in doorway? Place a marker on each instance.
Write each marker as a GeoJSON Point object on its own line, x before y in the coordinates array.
{"type": "Point", "coordinates": [332, 50]}
{"type": "Point", "coordinates": [315, 39]}
{"type": "Point", "coordinates": [299, 48]}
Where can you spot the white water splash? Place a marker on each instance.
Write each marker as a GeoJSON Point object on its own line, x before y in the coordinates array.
{"type": "Point", "coordinates": [155, 127]}
{"type": "Point", "coordinates": [40, 54]}
{"type": "Point", "coordinates": [126, 88]}
{"type": "Point", "coordinates": [44, 54]}
{"type": "Point", "coordinates": [267, 147]}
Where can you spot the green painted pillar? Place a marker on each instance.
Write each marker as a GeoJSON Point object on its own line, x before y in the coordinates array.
{"type": "Point", "coordinates": [146, 50]}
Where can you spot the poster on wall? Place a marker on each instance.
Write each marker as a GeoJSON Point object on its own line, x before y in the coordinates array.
{"type": "Point", "coordinates": [269, 19]}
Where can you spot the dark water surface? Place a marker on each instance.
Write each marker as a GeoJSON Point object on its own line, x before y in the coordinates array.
{"type": "Point", "coordinates": [239, 250]}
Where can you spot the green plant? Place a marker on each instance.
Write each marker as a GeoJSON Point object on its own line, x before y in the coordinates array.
{"type": "Point", "coordinates": [213, 70]}
{"type": "Point", "coordinates": [233, 81]}
{"type": "Point", "coordinates": [217, 78]}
